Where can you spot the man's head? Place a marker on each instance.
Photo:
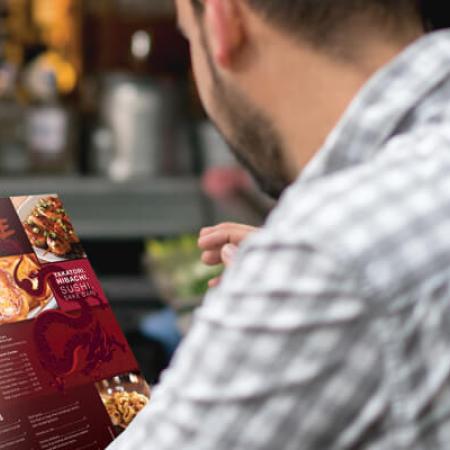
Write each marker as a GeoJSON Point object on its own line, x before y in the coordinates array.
{"type": "Point", "coordinates": [275, 75]}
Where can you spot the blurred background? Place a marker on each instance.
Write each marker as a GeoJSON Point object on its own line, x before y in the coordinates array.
{"type": "Point", "coordinates": [98, 104]}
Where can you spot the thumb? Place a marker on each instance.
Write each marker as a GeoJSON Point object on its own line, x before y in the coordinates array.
{"type": "Point", "coordinates": [228, 253]}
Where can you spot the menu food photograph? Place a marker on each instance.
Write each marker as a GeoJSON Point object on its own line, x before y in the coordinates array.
{"type": "Point", "coordinates": [68, 379]}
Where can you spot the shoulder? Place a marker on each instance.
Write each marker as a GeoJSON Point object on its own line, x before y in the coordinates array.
{"type": "Point", "coordinates": [383, 219]}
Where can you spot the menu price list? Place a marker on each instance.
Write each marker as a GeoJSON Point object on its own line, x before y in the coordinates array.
{"type": "Point", "coordinates": [18, 377]}
{"type": "Point", "coordinates": [12, 433]}
{"type": "Point", "coordinates": [75, 420]}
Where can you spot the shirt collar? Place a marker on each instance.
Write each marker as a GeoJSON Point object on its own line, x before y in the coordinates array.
{"type": "Point", "coordinates": [382, 104]}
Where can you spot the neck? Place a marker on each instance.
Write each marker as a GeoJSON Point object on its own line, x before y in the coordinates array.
{"type": "Point", "coordinates": [305, 92]}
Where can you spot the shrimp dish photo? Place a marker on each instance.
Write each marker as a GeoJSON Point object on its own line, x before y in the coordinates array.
{"type": "Point", "coordinates": [48, 228]}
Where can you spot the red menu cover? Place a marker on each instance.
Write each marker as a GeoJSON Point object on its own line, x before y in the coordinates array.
{"type": "Point", "coordinates": [68, 379]}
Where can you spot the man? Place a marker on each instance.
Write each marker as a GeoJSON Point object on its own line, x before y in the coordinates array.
{"type": "Point", "coordinates": [331, 328]}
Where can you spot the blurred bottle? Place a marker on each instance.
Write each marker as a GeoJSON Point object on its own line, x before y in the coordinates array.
{"type": "Point", "coordinates": [13, 153]}
{"type": "Point", "coordinates": [49, 123]}
{"type": "Point", "coordinates": [136, 114]}
{"type": "Point", "coordinates": [41, 43]}
{"type": "Point", "coordinates": [13, 156]}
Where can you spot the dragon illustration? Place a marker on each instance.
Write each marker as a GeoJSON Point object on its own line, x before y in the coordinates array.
{"type": "Point", "coordinates": [42, 275]}
{"type": "Point", "coordinates": [88, 334]}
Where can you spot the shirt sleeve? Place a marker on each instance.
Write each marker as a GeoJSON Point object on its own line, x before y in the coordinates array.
{"type": "Point", "coordinates": [283, 355]}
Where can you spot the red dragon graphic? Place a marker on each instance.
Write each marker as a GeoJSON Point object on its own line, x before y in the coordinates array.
{"type": "Point", "coordinates": [88, 334]}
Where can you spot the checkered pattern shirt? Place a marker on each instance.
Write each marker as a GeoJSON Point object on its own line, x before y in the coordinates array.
{"type": "Point", "coordinates": [332, 328]}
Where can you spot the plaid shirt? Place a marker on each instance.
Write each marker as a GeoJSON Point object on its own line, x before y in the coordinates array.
{"type": "Point", "coordinates": [332, 328]}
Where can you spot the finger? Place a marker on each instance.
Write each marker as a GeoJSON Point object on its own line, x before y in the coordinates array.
{"type": "Point", "coordinates": [222, 236]}
{"type": "Point", "coordinates": [203, 239]}
{"type": "Point", "coordinates": [213, 240]}
{"type": "Point", "coordinates": [211, 257]}
{"type": "Point", "coordinates": [228, 254]}
{"type": "Point", "coordinates": [214, 282]}
{"type": "Point", "coordinates": [206, 230]}
{"type": "Point", "coordinates": [234, 226]}
{"type": "Point", "coordinates": [226, 227]}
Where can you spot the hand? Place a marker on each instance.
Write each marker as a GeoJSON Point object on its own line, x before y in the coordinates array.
{"type": "Point", "coordinates": [220, 243]}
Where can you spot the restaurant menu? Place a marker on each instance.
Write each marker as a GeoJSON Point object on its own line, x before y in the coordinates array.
{"type": "Point", "coordinates": [68, 379]}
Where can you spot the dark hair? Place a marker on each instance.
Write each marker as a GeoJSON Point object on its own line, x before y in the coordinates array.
{"type": "Point", "coordinates": [435, 14]}
{"type": "Point", "coordinates": [326, 22]}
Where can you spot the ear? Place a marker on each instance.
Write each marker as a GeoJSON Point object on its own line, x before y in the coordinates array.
{"type": "Point", "coordinates": [224, 26]}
